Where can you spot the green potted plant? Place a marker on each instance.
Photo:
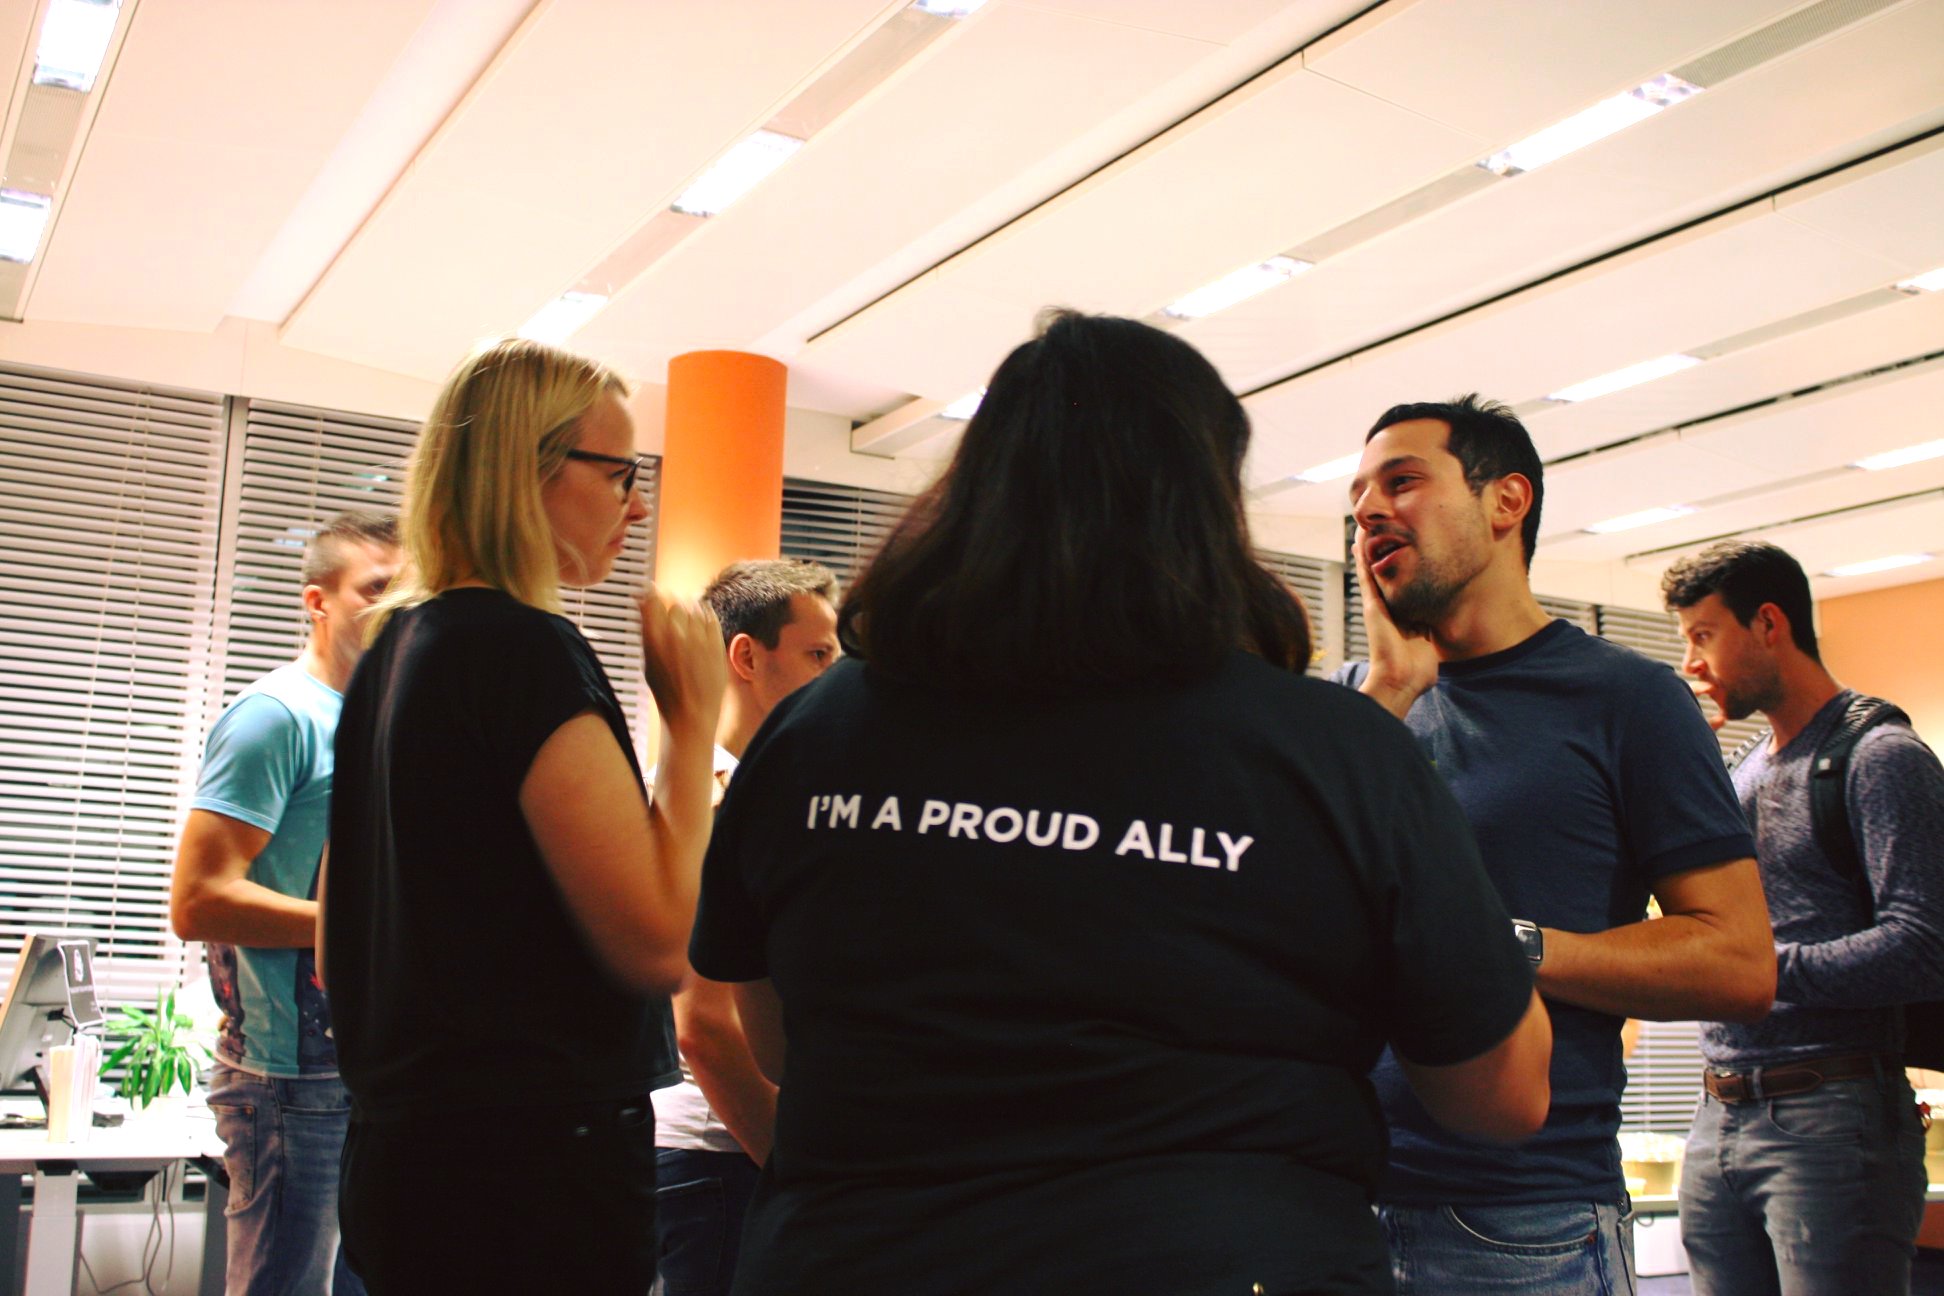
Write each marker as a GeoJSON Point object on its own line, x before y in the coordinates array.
{"type": "Point", "coordinates": [156, 1049]}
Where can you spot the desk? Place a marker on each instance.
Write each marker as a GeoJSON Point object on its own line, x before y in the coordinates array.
{"type": "Point", "coordinates": [144, 1142]}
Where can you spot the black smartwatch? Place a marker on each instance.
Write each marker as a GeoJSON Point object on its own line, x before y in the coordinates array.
{"type": "Point", "coordinates": [1531, 940]}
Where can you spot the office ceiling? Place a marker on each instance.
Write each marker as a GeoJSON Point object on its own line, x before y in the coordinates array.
{"type": "Point", "coordinates": [380, 183]}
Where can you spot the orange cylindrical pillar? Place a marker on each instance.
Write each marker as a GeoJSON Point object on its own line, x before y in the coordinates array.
{"type": "Point", "coordinates": [722, 466]}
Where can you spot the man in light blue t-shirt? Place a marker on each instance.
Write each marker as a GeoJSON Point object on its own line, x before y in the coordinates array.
{"type": "Point", "coordinates": [246, 883]}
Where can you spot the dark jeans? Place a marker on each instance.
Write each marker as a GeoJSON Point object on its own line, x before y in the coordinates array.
{"type": "Point", "coordinates": [699, 1209]}
{"type": "Point", "coordinates": [522, 1199]}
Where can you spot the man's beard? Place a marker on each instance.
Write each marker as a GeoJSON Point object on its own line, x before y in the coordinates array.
{"type": "Point", "coordinates": [1745, 698]}
{"type": "Point", "coordinates": [1418, 606]}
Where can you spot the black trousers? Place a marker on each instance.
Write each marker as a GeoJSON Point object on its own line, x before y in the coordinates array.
{"type": "Point", "coordinates": [523, 1200]}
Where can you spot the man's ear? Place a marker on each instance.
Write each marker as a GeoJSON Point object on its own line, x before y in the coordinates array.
{"type": "Point", "coordinates": [313, 603]}
{"type": "Point", "coordinates": [742, 657]}
{"type": "Point", "coordinates": [1772, 624]}
{"type": "Point", "coordinates": [1511, 501]}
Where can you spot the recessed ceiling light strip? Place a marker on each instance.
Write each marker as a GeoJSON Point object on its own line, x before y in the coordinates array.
{"type": "Point", "coordinates": [1804, 519]}
{"type": "Point", "coordinates": [1893, 562]}
{"type": "Point", "coordinates": [749, 161]}
{"type": "Point", "coordinates": [56, 97]}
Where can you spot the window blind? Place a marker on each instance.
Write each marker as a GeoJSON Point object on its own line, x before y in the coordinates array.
{"type": "Point", "coordinates": [1320, 585]}
{"type": "Point", "coordinates": [109, 501]}
{"type": "Point", "coordinates": [838, 526]}
{"type": "Point", "coordinates": [300, 467]}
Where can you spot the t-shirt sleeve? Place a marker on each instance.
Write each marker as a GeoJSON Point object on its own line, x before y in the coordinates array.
{"type": "Point", "coordinates": [728, 941]}
{"type": "Point", "coordinates": [542, 675]}
{"type": "Point", "coordinates": [252, 762]}
{"type": "Point", "coordinates": [1677, 804]}
{"type": "Point", "coordinates": [1459, 982]}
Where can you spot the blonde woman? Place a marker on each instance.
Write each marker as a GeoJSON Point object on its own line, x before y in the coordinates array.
{"type": "Point", "coordinates": [506, 910]}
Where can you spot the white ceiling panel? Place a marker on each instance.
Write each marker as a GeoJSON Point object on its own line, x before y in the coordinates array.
{"type": "Point", "coordinates": [1593, 322]}
{"type": "Point", "coordinates": [219, 148]}
{"type": "Point", "coordinates": [1759, 512]}
{"type": "Point", "coordinates": [1215, 21]}
{"type": "Point", "coordinates": [881, 179]}
{"type": "Point", "coordinates": [1893, 205]}
{"type": "Point", "coordinates": [1541, 62]}
{"type": "Point", "coordinates": [1747, 137]}
{"type": "Point", "coordinates": [1833, 427]}
{"type": "Point", "coordinates": [1904, 328]}
{"type": "Point", "coordinates": [558, 155]}
{"type": "Point", "coordinates": [16, 33]}
{"type": "Point", "coordinates": [1650, 475]}
{"type": "Point", "coordinates": [1234, 186]}
{"type": "Point", "coordinates": [1915, 526]}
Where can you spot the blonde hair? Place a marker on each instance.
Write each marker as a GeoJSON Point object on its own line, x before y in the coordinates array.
{"type": "Point", "coordinates": [502, 425]}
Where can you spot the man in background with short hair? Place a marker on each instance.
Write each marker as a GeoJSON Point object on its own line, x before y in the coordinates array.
{"type": "Point", "coordinates": [1590, 782]}
{"type": "Point", "coordinates": [1805, 1163]}
{"type": "Point", "coordinates": [713, 1130]}
{"type": "Point", "coordinates": [245, 883]}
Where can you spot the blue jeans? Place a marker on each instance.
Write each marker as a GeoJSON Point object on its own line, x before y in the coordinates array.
{"type": "Point", "coordinates": [1810, 1195]}
{"type": "Point", "coordinates": [700, 1200]}
{"type": "Point", "coordinates": [281, 1143]}
{"type": "Point", "coordinates": [1546, 1249]}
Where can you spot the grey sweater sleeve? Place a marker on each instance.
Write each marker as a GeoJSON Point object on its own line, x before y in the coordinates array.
{"type": "Point", "coordinates": [1896, 804]}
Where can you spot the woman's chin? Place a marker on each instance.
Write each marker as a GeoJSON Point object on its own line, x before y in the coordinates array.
{"type": "Point", "coordinates": [586, 575]}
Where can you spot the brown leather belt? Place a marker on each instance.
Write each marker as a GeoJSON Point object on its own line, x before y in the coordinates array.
{"type": "Point", "coordinates": [1793, 1077]}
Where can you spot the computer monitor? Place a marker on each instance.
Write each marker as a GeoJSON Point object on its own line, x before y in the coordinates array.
{"type": "Point", "coordinates": [52, 992]}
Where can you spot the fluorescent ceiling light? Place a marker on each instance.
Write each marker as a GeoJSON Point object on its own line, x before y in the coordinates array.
{"type": "Point", "coordinates": [1240, 286]}
{"type": "Point", "coordinates": [562, 317]}
{"type": "Point", "coordinates": [1929, 281]}
{"type": "Point", "coordinates": [948, 8]}
{"type": "Point", "coordinates": [964, 407]}
{"type": "Point", "coordinates": [73, 41]}
{"type": "Point", "coordinates": [1875, 565]}
{"type": "Point", "coordinates": [1327, 472]}
{"type": "Point", "coordinates": [1646, 517]}
{"type": "Point", "coordinates": [736, 172]}
{"type": "Point", "coordinates": [1601, 120]}
{"type": "Point", "coordinates": [1621, 379]}
{"type": "Point", "coordinates": [22, 218]}
{"type": "Point", "coordinates": [1898, 458]}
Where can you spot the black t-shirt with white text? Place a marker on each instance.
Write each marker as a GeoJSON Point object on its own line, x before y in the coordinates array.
{"type": "Point", "coordinates": [1084, 995]}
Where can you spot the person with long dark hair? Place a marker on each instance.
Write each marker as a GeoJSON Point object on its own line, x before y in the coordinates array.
{"type": "Point", "coordinates": [1086, 912]}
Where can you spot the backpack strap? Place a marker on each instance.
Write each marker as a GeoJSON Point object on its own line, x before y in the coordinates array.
{"type": "Point", "coordinates": [1828, 775]}
{"type": "Point", "coordinates": [1733, 760]}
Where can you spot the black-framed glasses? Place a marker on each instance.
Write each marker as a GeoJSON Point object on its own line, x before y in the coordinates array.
{"type": "Point", "coordinates": [627, 479]}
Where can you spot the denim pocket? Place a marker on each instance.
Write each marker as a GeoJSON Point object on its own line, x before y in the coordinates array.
{"type": "Point", "coordinates": [1834, 1113]}
{"type": "Point", "coordinates": [1540, 1230]}
{"type": "Point", "coordinates": [236, 1126]}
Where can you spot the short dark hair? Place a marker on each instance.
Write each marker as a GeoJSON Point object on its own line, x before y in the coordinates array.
{"type": "Point", "coordinates": [753, 597]}
{"type": "Point", "coordinates": [1488, 441]}
{"type": "Point", "coordinates": [324, 555]}
{"type": "Point", "coordinates": [1088, 534]}
{"type": "Point", "coordinates": [1747, 574]}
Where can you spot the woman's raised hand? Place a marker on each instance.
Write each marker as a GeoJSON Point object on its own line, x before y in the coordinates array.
{"type": "Point", "coordinates": [683, 659]}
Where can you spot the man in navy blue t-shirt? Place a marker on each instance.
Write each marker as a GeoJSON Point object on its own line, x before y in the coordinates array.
{"type": "Point", "coordinates": [1591, 781]}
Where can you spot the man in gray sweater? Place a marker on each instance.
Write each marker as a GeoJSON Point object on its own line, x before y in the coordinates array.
{"type": "Point", "coordinates": [1805, 1170]}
